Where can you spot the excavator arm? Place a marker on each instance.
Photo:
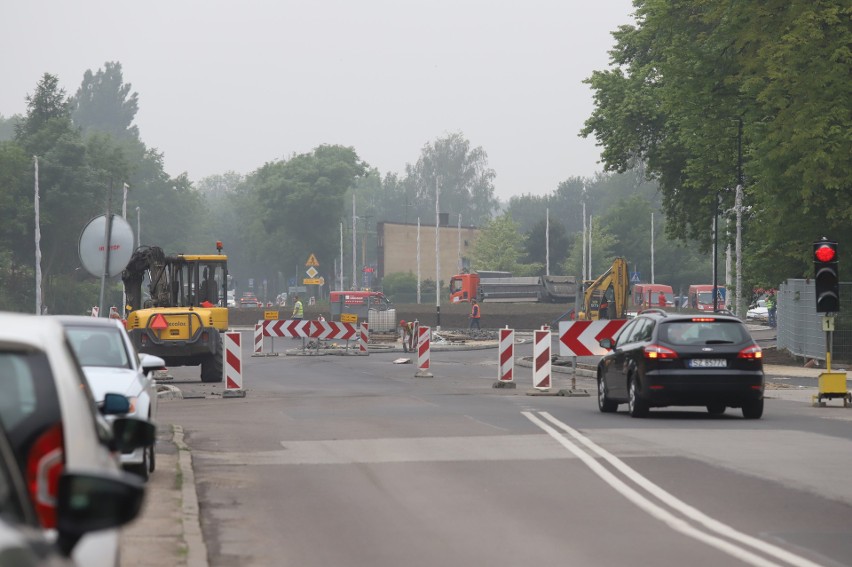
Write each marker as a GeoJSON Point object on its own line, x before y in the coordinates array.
{"type": "Point", "coordinates": [615, 279]}
{"type": "Point", "coordinates": [150, 260]}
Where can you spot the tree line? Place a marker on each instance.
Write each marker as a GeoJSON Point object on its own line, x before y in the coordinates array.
{"type": "Point", "coordinates": [698, 98]}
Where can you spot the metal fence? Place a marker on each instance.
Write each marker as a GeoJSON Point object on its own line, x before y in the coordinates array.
{"type": "Point", "coordinates": [800, 326]}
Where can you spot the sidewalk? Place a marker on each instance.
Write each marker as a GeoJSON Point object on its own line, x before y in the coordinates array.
{"type": "Point", "coordinates": [167, 532]}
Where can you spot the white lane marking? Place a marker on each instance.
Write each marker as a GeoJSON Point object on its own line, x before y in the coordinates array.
{"type": "Point", "coordinates": [678, 504]}
{"type": "Point", "coordinates": [657, 511]}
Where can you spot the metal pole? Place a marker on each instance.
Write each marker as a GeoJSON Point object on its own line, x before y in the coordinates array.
{"type": "Point", "coordinates": [38, 305]}
{"type": "Point", "coordinates": [715, 251]}
{"type": "Point", "coordinates": [418, 261]}
{"type": "Point", "coordinates": [590, 247]}
{"type": "Point", "coordinates": [583, 270]}
{"type": "Point", "coordinates": [354, 249]}
{"type": "Point", "coordinates": [107, 244]}
{"type": "Point", "coordinates": [437, 254]}
{"type": "Point", "coordinates": [739, 306]}
{"type": "Point", "coordinates": [340, 276]}
{"type": "Point", "coordinates": [138, 226]}
{"type": "Point", "coordinates": [459, 254]}
{"type": "Point", "coordinates": [547, 241]}
{"type": "Point", "coordinates": [652, 248]}
{"type": "Point", "coordinates": [123, 291]}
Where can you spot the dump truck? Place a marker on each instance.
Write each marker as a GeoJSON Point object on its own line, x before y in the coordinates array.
{"type": "Point", "coordinates": [502, 287]}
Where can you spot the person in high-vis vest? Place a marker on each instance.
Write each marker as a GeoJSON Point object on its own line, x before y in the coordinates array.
{"type": "Point", "coordinates": [298, 311]}
{"type": "Point", "coordinates": [474, 314]}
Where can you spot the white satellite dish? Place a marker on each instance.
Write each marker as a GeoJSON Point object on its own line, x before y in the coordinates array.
{"type": "Point", "coordinates": [93, 246]}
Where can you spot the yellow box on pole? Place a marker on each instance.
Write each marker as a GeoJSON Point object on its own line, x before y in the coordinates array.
{"type": "Point", "coordinates": [832, 383]}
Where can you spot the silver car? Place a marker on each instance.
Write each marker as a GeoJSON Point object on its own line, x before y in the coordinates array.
{"type": "Point", "coordinates": [59, 438]}
{"type": "Point", "coordinates": [112, 364]}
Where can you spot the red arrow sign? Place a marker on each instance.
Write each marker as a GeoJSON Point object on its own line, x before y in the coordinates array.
{"type": "Point", "coordinates": [581, 338]}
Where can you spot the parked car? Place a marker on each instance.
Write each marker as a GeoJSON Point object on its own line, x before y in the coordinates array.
{"type": "Point", "coordinates": [660, 359]}
{"type": "Point", "coordinates": [758, 311]}
{"type": "Point", "coordinates": [79, 499]}
{"type": "Point", "coordinates": [57, 434]}
{"type": "Point", "coordinates": [111, 364]}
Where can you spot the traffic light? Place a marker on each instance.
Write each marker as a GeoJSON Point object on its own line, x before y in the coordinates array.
{"type": "Point", "coordinates": [826, 278]}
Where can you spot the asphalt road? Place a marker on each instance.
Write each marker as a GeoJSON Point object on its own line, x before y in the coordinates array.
{"type": "Point", "coordinates": [333, 460]}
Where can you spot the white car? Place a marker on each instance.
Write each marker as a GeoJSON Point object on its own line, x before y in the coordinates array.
{"type": "Point", "coordinates": [58, 435]}
{"type": "Point", "coordinates": [759, 311]}
{"type": "Point", "coordinates": [112, 364]}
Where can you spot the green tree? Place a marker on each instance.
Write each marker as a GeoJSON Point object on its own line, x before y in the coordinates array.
{"type": "Point", "coordinates": [303, 199]}
{"type": "Point", "coordinates": [499, 246]}
{"type": "Point", "coordinates": [466, 182]}
{"type": "Point", "coordinates": [399, 285]}
{"type": "Point", "coordinates": [536, 246]}
{"type": "Point", "coordinates": [104, 103]}
{"type": "Point", "coordinates": [688, 75]}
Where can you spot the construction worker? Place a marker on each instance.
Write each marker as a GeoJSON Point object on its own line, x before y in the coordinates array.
{"type": "Point", "coordinates": [661, 300]}
{"type": "Point", "coordinates": [407, 335]}
{"type": "Point", "coordinates": [298, 310]}
{"type": "Point", "coordinates": [474, 314]}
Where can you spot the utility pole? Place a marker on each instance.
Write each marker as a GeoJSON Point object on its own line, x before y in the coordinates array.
{"type": "Point", "coordinates": [37, 240]}
{"type": "Point", "coordinates": [437, 254]}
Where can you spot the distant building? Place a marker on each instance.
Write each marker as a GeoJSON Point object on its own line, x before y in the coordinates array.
{"type": "Point", "coordinates": [397, 248]}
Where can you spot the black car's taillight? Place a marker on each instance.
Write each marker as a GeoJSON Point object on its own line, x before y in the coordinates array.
{"type": "Point", "coordinates": [44, 466]}
{"type": "Point", "coordinates": [752, 352]}
{"type": "Point", "coordinates": [657, 352]}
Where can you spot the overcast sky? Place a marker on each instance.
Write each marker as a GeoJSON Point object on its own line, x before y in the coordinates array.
{"type": "Point", "coordinates": [229, 85]}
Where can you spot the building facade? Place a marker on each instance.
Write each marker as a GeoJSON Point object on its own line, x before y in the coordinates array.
{"type": "Point", "coordinates": [397, 245]}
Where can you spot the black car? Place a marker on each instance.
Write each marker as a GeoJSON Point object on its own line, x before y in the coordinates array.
{"type": "Point", "coordinates": [660, 359]}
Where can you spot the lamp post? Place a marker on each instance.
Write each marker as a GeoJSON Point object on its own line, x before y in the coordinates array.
{"type": "Point", "coordinates": [715, 251]}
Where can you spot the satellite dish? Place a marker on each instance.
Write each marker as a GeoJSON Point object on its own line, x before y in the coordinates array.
{"type": "Point", "coordinates": [93, 246]}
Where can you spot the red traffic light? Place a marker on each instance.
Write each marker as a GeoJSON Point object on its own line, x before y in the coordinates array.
{"type": "Point", "coordinates": [825, 253]}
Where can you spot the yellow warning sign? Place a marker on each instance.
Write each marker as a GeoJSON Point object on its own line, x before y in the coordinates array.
{"type": "Point", "coordinates": [312, 261]}
{"type": "Point", "coordinates": [270, 315]}
{"type": "Point", "coordinates": [348, 318]}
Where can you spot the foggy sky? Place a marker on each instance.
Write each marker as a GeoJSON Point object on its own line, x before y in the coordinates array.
{"type": "Point", "coordinates": [229, 85]}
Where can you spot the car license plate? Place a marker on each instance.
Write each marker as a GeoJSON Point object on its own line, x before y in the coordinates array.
{"type": "Point", "coordinates": [707, 363]}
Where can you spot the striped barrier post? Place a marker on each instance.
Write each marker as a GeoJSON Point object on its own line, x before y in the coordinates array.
{"type": "Point", "coordinates": [258, 338]}
{"type": "Point", "coordinates": [423, 352]}
{"type": "Point", "coordinates": [506, 359]}
{"type": "Point", "coordinates": [541, 360]}
{"type": "Point", "coordinates": [365, 338]}
{"type": "Point", "coordinates": [233, 366]}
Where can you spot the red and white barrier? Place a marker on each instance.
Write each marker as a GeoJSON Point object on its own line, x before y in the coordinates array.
{"type": "Point", "coordinates": [233, 361]}
{"type": "Point", "coordinates": [423, 352]}
{"type": "Point", "coordinates": [541, 359]}
{"type": "Point", "coordinates": [307, 329]}
{"type": "Point", "coordinates": [581, 338]}
{"type": "Point", "coordinates": [506, 356]}
{"type": "Point", "coordinates": [258, 338]}
{"type": "Point", "coordinates": [365, 338]}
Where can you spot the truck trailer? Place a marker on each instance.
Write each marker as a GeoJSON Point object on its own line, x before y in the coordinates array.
{"type": "Point", "coordinates": [502, 287]}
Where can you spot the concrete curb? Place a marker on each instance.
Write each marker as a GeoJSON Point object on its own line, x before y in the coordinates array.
{"type": "Point", "coordinates": [191, 521]}
{"type": "Point", "coordinates": [168, 392]}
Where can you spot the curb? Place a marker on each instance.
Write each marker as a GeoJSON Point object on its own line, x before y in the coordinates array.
{"type": "Point", "coordinates": [168, 392]}
{"type": "Point", "coordinates": [193, 536]}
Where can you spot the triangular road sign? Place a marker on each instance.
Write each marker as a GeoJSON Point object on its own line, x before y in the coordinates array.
{"type": "Point", "coordinates": [312, 261]}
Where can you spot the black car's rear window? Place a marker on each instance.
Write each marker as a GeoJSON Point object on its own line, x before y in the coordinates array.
{"type": "Point", "coordinates": [698, 331]}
